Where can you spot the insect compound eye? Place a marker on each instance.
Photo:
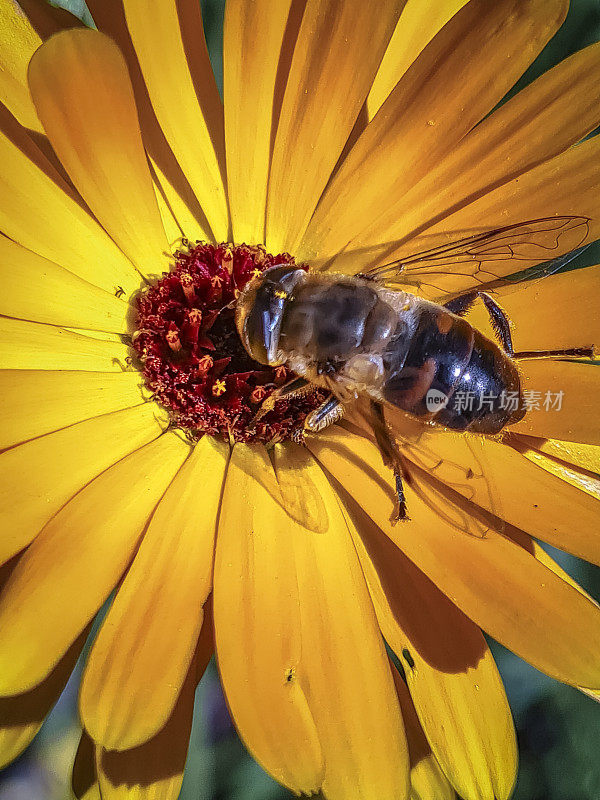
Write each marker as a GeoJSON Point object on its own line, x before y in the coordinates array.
{"type": "Point", "coordinates": [263, 324]}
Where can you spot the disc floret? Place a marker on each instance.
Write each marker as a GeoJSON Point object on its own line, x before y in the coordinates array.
{"type": "Point", "coordinates": [191, 355]}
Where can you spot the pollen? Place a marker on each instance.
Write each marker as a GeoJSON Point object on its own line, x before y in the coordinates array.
{"type": "Point", "coordinates": [188, 349]}
{"type": "Point", "coordinates": [219, 388]}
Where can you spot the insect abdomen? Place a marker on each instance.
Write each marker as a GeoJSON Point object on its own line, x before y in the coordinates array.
{"type": "Point", "coordinates": [451, 374]}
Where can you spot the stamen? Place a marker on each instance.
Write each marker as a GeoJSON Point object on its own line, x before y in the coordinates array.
{"type": "Point", "coordinates": [191, 355]}
{"type": "Point", "coordinates": [258, 394]}
{"type": "Point", "coordinates": [218, 388]}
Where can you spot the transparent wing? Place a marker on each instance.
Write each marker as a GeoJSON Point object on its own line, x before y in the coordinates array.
{"type": "Point", "coordinates": [483, 256]}
{"type": "Point", "coordinates": [455, 486]}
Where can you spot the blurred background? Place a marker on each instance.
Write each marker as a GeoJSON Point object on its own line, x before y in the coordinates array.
{"type": "Point", "coordinates": [558, 727]}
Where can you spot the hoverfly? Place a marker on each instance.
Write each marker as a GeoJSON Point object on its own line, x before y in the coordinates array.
{"type": "Point", "coordinates": [358, 336]}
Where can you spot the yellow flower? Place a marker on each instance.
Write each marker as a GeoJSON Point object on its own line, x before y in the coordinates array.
{"type": "Point", "coordinates": [341, 129]}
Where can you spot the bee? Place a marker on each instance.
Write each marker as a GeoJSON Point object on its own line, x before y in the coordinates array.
{"type": "Point", "coordinates": [358, 336]}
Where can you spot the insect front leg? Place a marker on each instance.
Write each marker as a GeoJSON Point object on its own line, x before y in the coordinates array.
{"type": "Point", "coordinates": [332, 410]}
{"type": "Point", "coordinates": [294, 388]}
{"type": "Point", "coordinates": [392, 457]}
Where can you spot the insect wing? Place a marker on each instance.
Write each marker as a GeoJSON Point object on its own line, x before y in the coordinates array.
{"type": "Point", "coordinates": [482, 257]}
{"type": "Point", "coordinates": [442, 480]}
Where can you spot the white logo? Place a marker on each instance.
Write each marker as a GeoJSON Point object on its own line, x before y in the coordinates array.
{"type": "Point", "coordinates": [435, 400]}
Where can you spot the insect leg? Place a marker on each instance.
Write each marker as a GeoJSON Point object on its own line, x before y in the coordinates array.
{"type": "Point", "coordinates": [294, 388]}
{"type": "Point", "coordinates": [461, 304]}
{"type": "Point", "coordinates": [572, 352]}
{"type": "Point", "coordinates": [325, 415]}
{"type": "Point", "coordinates": [392, 457]}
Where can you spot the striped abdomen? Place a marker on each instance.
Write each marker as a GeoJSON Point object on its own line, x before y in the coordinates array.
{"type": "Point", "coordinates": [450, 373]}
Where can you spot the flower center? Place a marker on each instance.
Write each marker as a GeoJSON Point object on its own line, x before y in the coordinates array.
{"type": "Point", "coordinates": [191, 355]}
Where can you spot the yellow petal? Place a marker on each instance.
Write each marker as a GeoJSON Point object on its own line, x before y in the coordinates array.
{"type": "Point", "coordinates": [93, 793]}
{"type": "Point", "coordinates": [84, 549]}
{"type": "Point", "coordinates": [418, 24]}
{"type": "Point", "coordinates": [47, 19]}
{"type": "Point", "coordinates": [576, 420]}
{"type": "Point", "coordinates": [550, 115]}
{"type": "Point", "coordinates": [257, 619]}
{"type": "Point", "coordinates": [171, 185]}
{"type": "Point", "coordinates": [493, 581]}
{"type": "Point", "coordinates": [19, 42]}
{"type": "Point", "coordinates": [136, 667]}
{"type": "Point", "coordinates": [578, 478]}
{"type": "Point", "coordinates": [40, 476]}
{"type": "Point", "coordinates": [109, 18]}
{"type": "Point", "coordinates": [296, 634]}
{"type": "Point", "coordinates": [22, 27]}
{"type": "Point", "coordinates": [583, 456]}
{"type": "Point", "coordinates": [38, 210]}
{"type": "Point", "coordinates": [427, 780]}
{"type": "Point", "coordinates": [339, 47]}
{"type": "Point", "coordinates": [249, 81]}
{"type": "Point", "coordinates": [31, 345]}
{"type": "Point", "coordinates": [440, 99]}
{"type": "Point", "coordinates": [192, 115]}
{"type": "Point", "coordinates": [153, 771]}
{"type": "Point", "coordinates": [81, 90]}
{"type": "Point", "coordinates": [192, 226]}
{"type": "Point", "coordinates": [451, 674]}
{"type": "Point", "coordinates": [34, 288]}
{"type": "Point", "coordinates": [565, 185]}
{"type": "Point", "coordinates": [542, 556]}
{"type": "Point", "coordinates": [352, 697]}
{"type": "Point", "coordinates": [33, 403]}
{"type": "Point", "coordinates": [22, 716]}
{"type": "Point", "coordinates": [498, 478]}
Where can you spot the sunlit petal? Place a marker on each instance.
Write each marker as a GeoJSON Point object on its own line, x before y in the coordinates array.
{"type": "Point", "coordinates": [339, 47]}
{"type": "Point", "coordinates": [84, 548]}
{"type": "Point", "coordinates": [551, 114]}
{"type": "Point", "coordinates": [427, 780]}
{"type": "Point", "coordinates": [249, 87]}
{"type": "Point", "coordinates": [33, 403]}
{"type": "Point", "coordinates": [38, 210]}
{"type": "Point", "coordinates": [257, 626]}
{"type": "Point", "coordinates": [563, 186]}
{"type": "Point", "coordinates": [22, 27]}
{"type": "Point", "coordinates": [418, 24]}
{"type": "Point", "coordinates": [31, 345]}
{"type": "Point", "coordinates": [192, 116]}
{"type": "Point", "coordinates": [36, 289]}
{"type": "Point", "coordinates": [22, 716]}
{"type": "Point", "coordinates": [534, 308]}
{"type": "Point", "coordinates": [576, 420]}
{"type": "Point", "coordinates": [444, 94]}
{"type": "Point", "coordinates": [449, 669]}
{"type": "Point", "coordinates": [109, 17]}
{"type": "Point", "coordinates": [81, 89]}
{"type": "Point", "coordinates": [40, 476]}
{"type": "Point", "coordinates": [136, 667]}
{"type": "Point", "coordinates": [153, 771]}
{"type": "Point", "coordinates": [541, 618]}
{"type": "Point", "coordinates": [581, 456]}
{"type": "Point", "coordinates": [351, 694]}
